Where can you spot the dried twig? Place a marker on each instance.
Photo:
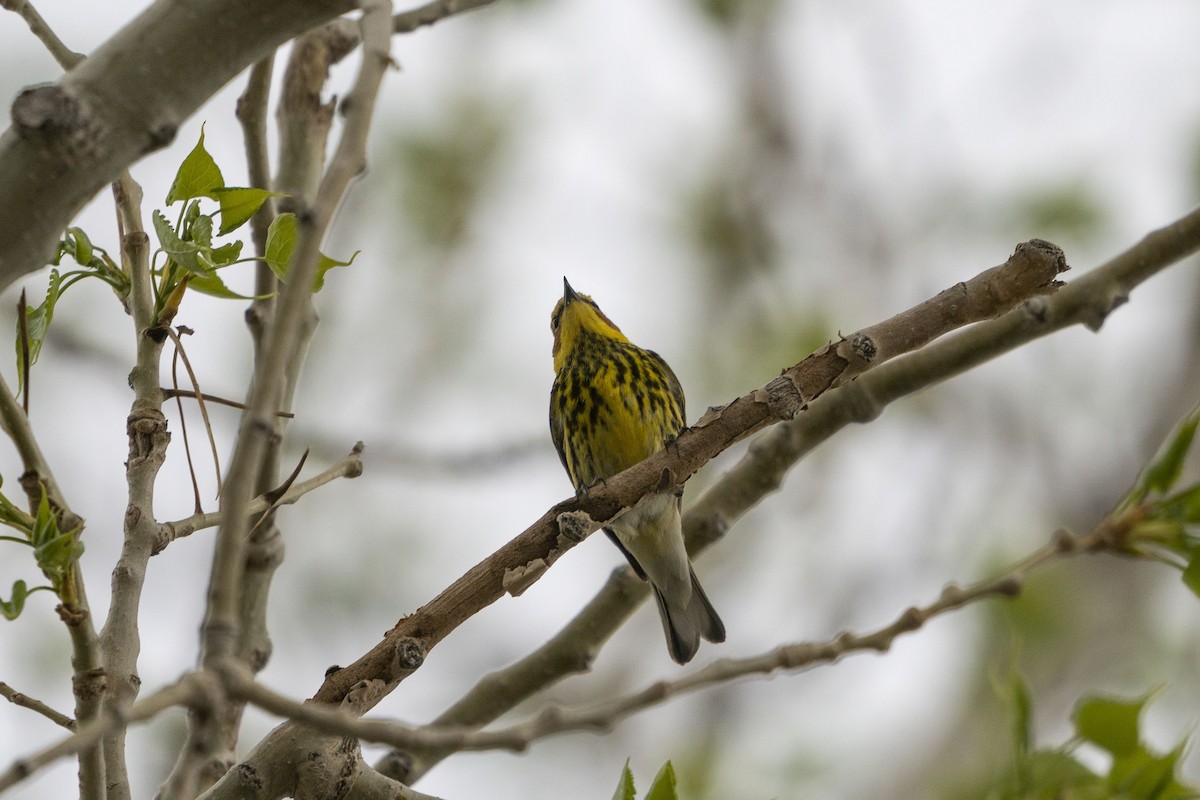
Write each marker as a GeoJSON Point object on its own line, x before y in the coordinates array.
{"type": "Point", "coordinates": [25, 701]}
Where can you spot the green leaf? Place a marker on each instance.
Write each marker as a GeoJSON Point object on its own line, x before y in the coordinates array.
{"type": "Point", "coordinates": [324, 265]}
{"type": "Point", "coordinates": [15, 517]}
{"type": "Point", "coordinates": [663, 787]}
{"type": "Point", "coordinates": [1142, 775]}
{"type": "Point", "coordinates": [1191, 574]}
{"type": "Point", "coordinates": [1015, 693]}
{"type": "Point", "coordinates": [82, 250]}
{"type": "Point", "coordinates": [95, 262]}
{"type": "Point", "coordinates": [1111, 724]}
{"type": "Point", "coordinates": [240, 204]}
{"type": "Point", "coordinates": [198, 175]}
{"type": "Point", "coordinates": [56, 556]}
{"type": "Point", "coordinates": [54, 550]}
{"type": "Point", "coordinates": [45, 524]}
{"type": "Point", "coordinates": [625, 786]}
{"type": "Point", "coordinates": [188, 255]}
{"type": "Point", "coordinates": [201, 231]}
{"type": "Point", "coordinates": [1183, 507]}
{"type": "Point", "coordinates": [37, 325]}
{"type": "Point", "coordinates": [227, 253]}
{"type": "Point", "coordinates": [11, 609]}
{"type": "Point", "coordinates": [281, 241]}
{"type": "Point", "coordinates": [1162, 473]}
{"type": "Point", "coordinates": [1054, 773]}
{"type": "Point", "coordinates": [213, 286]}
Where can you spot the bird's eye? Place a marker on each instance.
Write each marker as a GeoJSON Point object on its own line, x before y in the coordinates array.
{"type": "Point", "coordinates": [554, 323]}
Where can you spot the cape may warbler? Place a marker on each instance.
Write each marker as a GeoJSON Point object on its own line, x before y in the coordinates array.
{"type": "Point", "coordinates": [612, 405]}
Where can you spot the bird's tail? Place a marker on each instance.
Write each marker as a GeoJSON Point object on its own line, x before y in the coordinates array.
{"type": "Point", "coordinates": [685, 626]}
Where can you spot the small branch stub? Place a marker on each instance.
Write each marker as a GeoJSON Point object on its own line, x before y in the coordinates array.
{"type": "Point", "coordinates": [864, 348]}
{"type": "Point", "coordinates": [409, 654]}
{"type": "Point", "coordinates": [46, 112]}
{"type": "Point", "coordinates": [782, 397]}
{"type": "Point", "coordinates": [575, 525]}
{"type": "Point", "coordinates": [50, 116]}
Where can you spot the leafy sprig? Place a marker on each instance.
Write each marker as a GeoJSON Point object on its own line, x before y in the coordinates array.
{"type": "Point", "coordinates": [1164, 518]}
{"type": "Point", "coordinates": [54, 550]}
{"type": "Point", "coordinates": [188, 255]}
{"type": "Point", "coordinates": [1135, 771]}
{"type": "Point", "coordinates": [662, 788]}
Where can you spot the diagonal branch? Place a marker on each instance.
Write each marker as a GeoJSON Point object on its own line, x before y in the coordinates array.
{"type": "Point", "coordinates": [65, 56]}
{"type": "Point", "coordinates": [193, 690]}
{"type": "Point", "coordinates": [1107, 537]}
{"type": "Point", "coordinates": [25, 701]}
{"type": "Point", "coordinates": [1030, 272]}
{"type": "Point", "coordinates": [759, 472]}
{"type": "Point", "coordinates": [349, 466]}
{"type": "Point", "coordinates": [430, 13]}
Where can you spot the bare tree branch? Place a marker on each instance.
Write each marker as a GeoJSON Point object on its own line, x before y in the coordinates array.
{"type": "Point", "coordinates": [171, 392]}
{"type": "Point", "coordinates": [1109, 536]}
{"type": "Point", "coordinates": [760, 471]}
{"type": "Point", "coordinates": [65, 56]}
{"type": "Point", "coordinates": [252, 115]}
{"type": "Point", "coordinates": [1031, 271]}
{"type": "Point", "coordinates": [285, 338]}
{"type": "Point", "coordinates": [197, 690]}
{"type": "Point", "coordinates": [25, 701]}
{"type": "Point", "coordinates": [430, 13]}
{"type": "Point", "coordinates": [350, 466]}
{"type": "Point", "coordinates": [146, 428]}
{"type": "Point", "coordinates": [192, 690]}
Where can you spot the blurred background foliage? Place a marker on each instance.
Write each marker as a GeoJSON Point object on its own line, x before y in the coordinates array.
{"type": "Point", "coordinates": [735, 182]}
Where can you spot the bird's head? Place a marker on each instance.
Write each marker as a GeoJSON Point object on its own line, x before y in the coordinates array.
{"type": "Point", "coordinates": [574, 316]}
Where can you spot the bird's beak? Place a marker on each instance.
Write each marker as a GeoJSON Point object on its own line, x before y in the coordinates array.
{"type": "Point", "coordinates": [568, 293]}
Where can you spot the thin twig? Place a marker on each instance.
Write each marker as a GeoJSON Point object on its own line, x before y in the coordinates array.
{"type": "Point", "coordinates": [15, 423]}
{"type": "Point", "coordinates": [197, 505]}
{"type": "Point", "coordinates": [1107, 537]}
{"type": "Point", "coordinates": [193, 690]}
{"type": "Point", "coordinates": [172, 392]}
{"type": "Point", "coordinates": [1030, 271]}
{"type": "Point", "coordinates": [187, 365]}
{"type": "Point", "coordinates": [65, 56]}
{"type": "Point", "coordinates": [25, 701]}
{"type": "Point", "coordinates": [273, 496]}
{"type": "Point", "coordinates": [350, 466]}
{"type": "Point", "coordinates": [791, 658]}
{"type": "Point", "coordinates": [23, 343]}
{"type": "Point", "coordinates": [252, 115]}
{"type": "Point", "coordinates": [428, 14]}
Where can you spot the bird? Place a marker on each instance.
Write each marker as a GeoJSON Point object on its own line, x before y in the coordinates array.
{"type": "Point", "coordinates": [612, 405]}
